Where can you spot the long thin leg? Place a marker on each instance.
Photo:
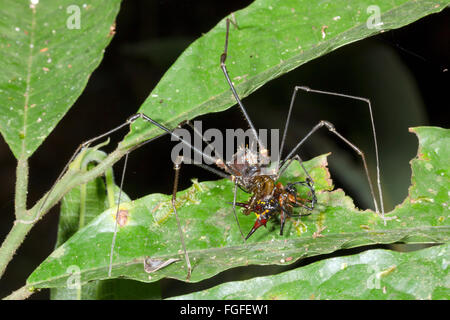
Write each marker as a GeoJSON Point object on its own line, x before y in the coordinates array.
{"type": "Point", "coordinates": [380, 194]}
{"type": "Point", "coordinates": [223, 162]}
{"type": "Point", "coordinates": [189, 145]}
{"type": "Point", "coordinates": [219, 159]}
{"type": "Point", "coordinates": [286, 213]}
{"type": "Point", "coordinates": [291, 215]}
{"type": "Point", "coordinates": [172, 133]}
{"type": "Point", "coordinates": [85, 145]}
{"type": "Point", "coordinates": [285, 165]}
{"type": "Point", "coordinates": [117, 216]}
{"type": "Point", "coordinates": [309, 182]}
{"type": "Point", "coordinates": [128, 122]}
{"type": "Point", "coordinates": [331, 128]}
{"type": "Point", "coordinates": [80, 148]}
{"type": "Point", "coordinates": [234, 209]}
{"type": "Point", "coordinates": [286, 126]}
{"type": "Point", "coordinates": [177, 166]}
{"type": "Point", "coordinates": [310, 186]}
{"type": "Point", "coordinates": [223, 66]}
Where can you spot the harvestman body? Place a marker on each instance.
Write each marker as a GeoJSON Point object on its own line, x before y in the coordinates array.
{"type": "Point", "coordinates": [268, 197]}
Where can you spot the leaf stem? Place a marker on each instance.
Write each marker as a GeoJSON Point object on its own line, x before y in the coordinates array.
{"type": "Point", "coordinates": [71, 179]}
{"type": "Point", "coordinates": [13, 240]}
{"type": "Point", "coordinates": [20, 204]}
{"type": "Point", "coordinates": [82, 214]}
{"type": "Point", "coordinates": [109, 178]}
{"type": "Point", "coordinates": [18, 232]}
{"type": "Point", "coordinates": [20, 294]}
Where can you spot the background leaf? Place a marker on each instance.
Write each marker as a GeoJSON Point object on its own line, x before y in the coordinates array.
{"type": "Point", "coordinates": [374, 274]}
{"type": "Point", "coordinates": [215, 245]}
{"type": "Point", "coordinates": [45, 65]}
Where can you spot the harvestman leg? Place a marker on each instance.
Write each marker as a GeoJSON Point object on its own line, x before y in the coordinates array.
{"type": "Point", "coordinates": [86, 144]}
{"type": "Point", "coordinates": [308, 181]}
{"type": "Point", "coordinates": [220, 158]}
{"type": "Point", "coordinates": [81, 147]}
{"type": "Point", "coordinates": [223, 66]}
{"type": "Point", "coordinates": [333, 130]}
{"type": "Point", "coordinates": [223, 58]}
{"type": "Point", "coordinates": [177, 167]}
{"type": "Point", "coordinates": [282, 168]}
{"type": "Point", "coordinates": [327, 124]}
{"type": "Point", "coordinates": [117, 216]}
{"type": "Point", "coordinates": [262, 148]}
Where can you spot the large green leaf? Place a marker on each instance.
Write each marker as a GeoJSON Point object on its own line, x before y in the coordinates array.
{"type": "Point", "coordinates": [46, 62]}
{"type": "Point", "coordinates": [214, 243]}
{"type": "Point", "coordinates": [273, 37]}
{"type": "Point", "coordinates": [373, 274]}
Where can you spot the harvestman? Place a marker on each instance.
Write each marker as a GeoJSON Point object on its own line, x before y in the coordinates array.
{"type": "Point", "coordinates": [278, 198]}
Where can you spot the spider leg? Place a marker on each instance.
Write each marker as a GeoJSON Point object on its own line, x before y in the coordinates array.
{"type": "Point", "coordinates": [332, 129]}
{"type": "Point", "coordinates": [176, 167]}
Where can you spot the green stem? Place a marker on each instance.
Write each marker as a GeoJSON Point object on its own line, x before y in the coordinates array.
{"type": "Point", "coordinates": [13, 241]}
{"type": "Point", "coordinates": [74, 178]}
{"type": "Point", "coordinates": [109, 178]}
{"type": "Point", "coordinates": [20, 204]}
{"type": "Point", "coordinates": [71, 179]}
{"type": "Point", "coordinates": [18, 232]}
{"type": "Point", "coordinates": [83, 191]}
{"type": "Point", "coordinates": [20, 294]}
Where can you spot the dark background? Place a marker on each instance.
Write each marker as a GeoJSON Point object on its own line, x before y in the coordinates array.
{"type": "Point", "coordinates": [402, 72]}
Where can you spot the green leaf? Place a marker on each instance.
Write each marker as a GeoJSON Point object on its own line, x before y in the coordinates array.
{"type": "Point", "coordinates": [373, 274]}
{"type": "Point", "coordinates": [46, 63]}
{"type": "Point", "coordinates": [214, 242]}
{"type": "Point", "coordinates": [273, 38]}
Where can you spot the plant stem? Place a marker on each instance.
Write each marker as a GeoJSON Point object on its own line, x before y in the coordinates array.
{"type": "Point", "coordinates": [13, 240]}
{"type": "Point", "coordinates": [70, 180]}
{"type": "Point", "coordinates": [20, 294]}
{"type": "Point", "coordinates": [20, 204]}
{"type": "Point", "coordinates": [18, 231]}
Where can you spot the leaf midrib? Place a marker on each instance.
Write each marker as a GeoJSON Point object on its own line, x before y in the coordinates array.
{"type": "Point", "coordinates": [28, 82]}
